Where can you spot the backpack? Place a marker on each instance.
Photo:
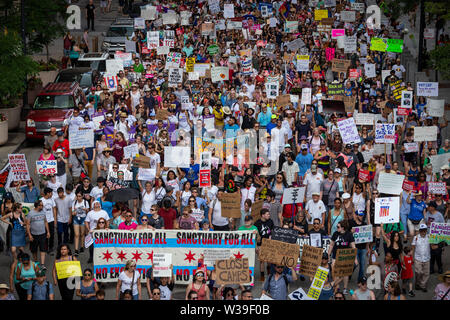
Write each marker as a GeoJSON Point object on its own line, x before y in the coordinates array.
{"type": "Point", "coordinates": [285, 281]}
{"type": "Point", "coordinates": [33, 286]}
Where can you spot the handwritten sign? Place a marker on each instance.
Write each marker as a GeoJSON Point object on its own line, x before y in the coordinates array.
{"type": "Point", "coordinates": [387, 210]}
{"type": "Point", "coordinates": [364, 119]}
{"type": "Point", "coordinates": [320, 14]}
{"type": "Point", "coordinates": [162, 114]}
{"type": "Point", "coordinates": [411, 147]}
{"type": "Point", "coordinates": [385, 133]}
{"type": "Point", "coordinates": [335, 89]}
{"type": "Point", "coordinates": [142, 162]}
{"type": "Point", "coordinates": [439, 232]}
{"type": "Point", "coordinates": [425, 133]}
{"type": "Point", "coordinates": [46, 167]}
{"type": "Point", "coordinates": [363, 234]}
{"type": "Point", "coordinates": [219, 74]}
{"type": "Point", "coordinates": [345, 258]}
{"type": "Point", "coordinates": [130, 151]}
{"type": "Point", "coordinates": [19, 167]}
{"type": "Point", "coordinates": [293, 195]}
{"type": "Point", "coordinates": [437, 161]}
{"type": "Point", "coordinates": [161, 264]}
{"type": "Point", "coordinates": [284, 234]}
{"type": "Point", "coordinates": [339, 65]}
{"type": "Point", "coordinates": [390, 183]}
{"type": "Point", "coordinates": [408, 185]}
{"type": "Point", "coordinates": [435, 108]}
{"type": "Point", "coordinates": [177, 157]}
{"type": "Point", "coordinates": [363, 175]}
{"type": "Point", "coordinates": [66, 269]}
{"type": "Point", "coordinates": [79, 138]}
{"type": "Point", "coordinates": [378, 44]}
{"type": "Point", "coordinates": [310, 260]}
{"type": "Point", "coordinates": [348, 131]}
{"type": "Point", "coordinates": [233, 271]}
{"type": "Point", "coordinates": [278, 252]}
{"type": "Point", "coordinates": [437, 188]}
{"type": "Point", "coordinates": [231, 205]}
{"type": "Point", "coordinates": [427, 89]}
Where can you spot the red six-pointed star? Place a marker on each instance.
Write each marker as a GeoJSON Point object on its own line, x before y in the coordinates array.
{"type": "Point", "coordinates": [189, 256]}
{"type": "Point", "coordinates": [121, 255]}
{"type": "Point", "coordinates": [150, 256]}
{"type": "Point", "coordinates": [239, 255]}
{"type": "Point", "coordinates": [107, 255]}
{"type": "Point", "coordinates": [136, 256]}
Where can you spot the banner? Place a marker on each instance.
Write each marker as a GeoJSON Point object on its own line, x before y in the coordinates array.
{"type": "Point", "coordinates": [425, 133]}
{"type": "Point", "coordinates": [435, 108]}
{"type": "Point", "coordinates": [46, 167]}
{"type": "Point", "coordinates": [177, 157]}
{"type": "Point", "coordinates": [317, 283]}
{"type": "Point", "coordinates": [280, 253]}
{"type": "Point", "coordinates": [293, 195]}
{"type": "Point", "coordinates": [19, 167]}
{"type": "Point", "coordinates": [232, 271]}
{"type": "Point", "coordinates": [390, 183]}
{"type": "Point", "coordinates": [439, 232]}
{"type": "Point", "coordinates": [67, 269]}
{"type": "Point", "coordinates": [387, 210]}
{"type": "Point", "coordinates": [363, 234]}
{"type": "Point", "coordinates": [345, 258]}
{"type": "Point", "coordinates": [348, 131]}
{"type": "Point", "coordinates": [427, 89]}
{"type": "Point", "coordinates": [79, 138]}
{"type": "Point", "coordinates": [437, 188]}
{"type": "Point", "coordinates": [385, 133]}
{"type": "Point", "coordinates": [310, 260]}
{"type": "Point", "coordinates": [231, 205]}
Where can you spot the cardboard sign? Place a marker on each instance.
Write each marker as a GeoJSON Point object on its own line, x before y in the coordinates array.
{"type": "Point", "coordinates": [256, 209]}
{"type": "Point", "coordinates": [345, 258]}
{"type": "Point", "coordinates": [46, 167]}
{"type": "Point", "coordinates": [439, 232]}
{"type": "Point", "coordinates": [317, 283]}
{"type": "Point", "coordinates": [339, 65]}
{"type": "Point", "coordinates": [437, 188]}
{"type": "Point", "coordinates": [162, 114]}
{"type": "Point", "coordinates": [425, 133]}
{"type": "Point", "coordinates": [284, 235]}
{"type": "Point", "coordinates": [363, 234]}
{"type": "Point", "coordinates": [435, 108]}
{"type": "Point", "coordinates": [390, 183]}
{"type": "Point", "coordinates": [231, 205]}
{"type": "Point", "coordinates": [141, 162]}
{"type": "Point", "coordinates": [232, 271]}
{"type": "Point", "coordinates": [19, 167]}
{"type": "Point", "coordinates": [66, 269]}
{"type": "Point", "coordinates": [363, 175]}
{"type": "Point", "coordinates": [427, 89]}
{"type": "Point", "coordinates": [387, 210]}
{"type": "Point", "coordinates": [348, 131]}
{"type": "Point", "coordinates": [161, 264]}
{"type": "Point", "coordinates": [293, 195]}
{"type": "Point", "coordinates": [278, 252]}
{"type": "Point", "coordinates": [408, 185]}
{"type": "Point", "coordinates": [283, 100]}
{"type": "Point", "coordinates": [310, 260]}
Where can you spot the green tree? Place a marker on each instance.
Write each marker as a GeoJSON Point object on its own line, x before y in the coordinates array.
{"type": "Point", "coordinates": [440, 60]}
{"type": "Point", "coordinates": [14, 66]}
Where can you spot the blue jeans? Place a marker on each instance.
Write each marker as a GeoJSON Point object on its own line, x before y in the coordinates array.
{"type": "Point", "coordinates": [404, 220]}
{"type": "Point", "coordinates": [361, 256]}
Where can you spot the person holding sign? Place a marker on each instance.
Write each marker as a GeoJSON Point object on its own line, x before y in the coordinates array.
{"type": "Point", "coordinates": [265, 226]}
{"type": "Point", "coordinates": [276, 285]}
{"type": "Point", "coordinates": [63, 253]}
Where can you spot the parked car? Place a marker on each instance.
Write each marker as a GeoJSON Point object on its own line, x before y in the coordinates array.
{"type": "Point", "coordinates": [120, 30]}
{"type": "Point", "coordinates": [84, 76]}
{"type": "Point", "coordinates": [96, 61]}
{"type": "Point", "coordinates": [53, 105]}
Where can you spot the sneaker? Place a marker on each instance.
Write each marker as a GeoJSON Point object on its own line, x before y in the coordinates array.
{"type": "Point", "coordinates": [411, 294]}
{"type": "Point", "coordinates": [345, 292]}
{"type": "Point", "coordinates": [76, 253]}
{"type": "Point", "coordinates": [44, 268]}
{"type": "Point", "coordinates": [81, 249]}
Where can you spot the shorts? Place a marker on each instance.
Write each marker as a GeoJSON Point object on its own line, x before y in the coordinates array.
{"type": "Point", "coordinates": [39, 241]}
{"type": "Point", "coordinates": [415, 227]}
{"type": "Point", "coordinates": [79, 221]}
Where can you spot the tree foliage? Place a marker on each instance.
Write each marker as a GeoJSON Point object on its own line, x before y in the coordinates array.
{"type": "Point", "coordinates": [440, 60]}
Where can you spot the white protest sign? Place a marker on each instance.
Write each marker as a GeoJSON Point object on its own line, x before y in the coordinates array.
{"type": "Point", "coordinates": [97, 121]}
{"type": "Point", "coordinates": [435, 108]}
{"type": "Point", "coordinates": [381, 148]}
{"type": "Point", "coordinates": [46, 167]}
{"type": "Point", "coordinates": [228, 10]}
{"type": "Point", "coordinates": [364, 119]}
{"type": "Point", "coordinates": [437, 188]}
{"type": "Point", "coordinates": [19, 167]}
{"type": "Point", "coordinates": [177, 157]}
{"type": "Point", "coordinates": [363, 234]}
{"type": "Point", "coordinates": [385, 133]}
{"type": "Point", "coordinates": [302, 63]}
{"type": "Point", "coordinates": [367, 155]}
{"type": "Point", "coordinates": [79, 138]}
{"type": "Point", "coordinates": [299, 294]}
{"type": "Point", "coordinates": [201, 68]}
{"type": "Point", "coordinates": [350, 45]}
{"type": "Point", "coordinates": [407, 99]}
{"type": "Point", "coordinates": [185, 16]}
{"type": "Point", "coordinates": [170, 18]}
{"type": "Point", "coordinates": [214, 6]}
{"type": "Point", "coordinates": [130, 151]}
{"type": "Point", "coordinates": [219, 74]}
{"type": "Point", "coordinates": [369, 70]}
{"type": "Point", "coordinates": [139, 23]}
{"type": "Point", "coordinates": [427, 89]}
{"type": "Point", "coordinates": [357, 6]}
{"type": "Point", "coordinates": [161, 265]}
{"type": "Point", "coordinates": [193, 76]}
{"type": "Point", "coordinates": [198, 214]}
{"type": "Point", "coordinates": [348, 16]}
{"type": "Point", "coordinates": [411, 147]}
{"type": "Point", "coordinates": [152, 39]}
{"type": "Point", "coordinates": [175, 77]}
{"type": "Point", "coordinates": [293, 195]}
{"type": "Point", "coordinates": [264, 297]}
{"type": "Point", "coordinates": [387, 210]}
{"type": "Point", "coordinates": [306, 96]}
{"type": "Point", "coordinates": [146, 174]}
{"type": "Point", "coordinates": [113, 66]}
{"type": "Point", "coordinates": [348, 131]}
{"type": "Point", "coordinates": [390, 183]}
{"type": "Point", "coordinates": [149, 12]}
{"type": "Point", "coordinates": [425, 133]}
{"type": "Point", "coordinates": [272, 90]}
{"type": "Point", "coordinates": [162, 50]}
{"type": "Point", "coordinates": [439, 160]}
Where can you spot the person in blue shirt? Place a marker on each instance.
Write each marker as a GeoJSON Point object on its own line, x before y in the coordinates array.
{"type": "Point", "coordinates": [192, 172]}
{"type": "Point", "coordinates": [30, 192]}
{"type": "Point", "coordinates": [264, 116]}
{"type": "Point", "coordinates": [417, 212]}
{"type": "Point", "coordinates": [304, 160]}
{"type": "Point", "coordinates": [232, 127]}
{"type": "Point", "coordinates": [272, 124]}
{"type": "Point", "coordinates": [41, 289]}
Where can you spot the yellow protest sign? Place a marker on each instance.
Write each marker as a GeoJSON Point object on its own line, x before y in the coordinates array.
{"type": "Point", "coordinates": [66, 269]}
{"type": "Point", "coordinates": [190, 64]}
{"type": "Point", "coordinates": [377, 44]}
{"type": "Point", "coordinates": [320, 14]}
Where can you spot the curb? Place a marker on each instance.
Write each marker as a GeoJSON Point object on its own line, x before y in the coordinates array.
{"type": "Point", "coordinates": [14, 151]}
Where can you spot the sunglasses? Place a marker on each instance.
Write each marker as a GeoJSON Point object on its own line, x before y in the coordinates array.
{"type": "Point", "coordinates": [128, 216]}
{"type": "Point", "coordinates": [191, 200]}
{"type": "Point", "coordinates": [101, 222]}
{"type": "Point", "coordinates": [156, 293]}
{"type": "Point", "coordinates": [339, 298]}
{"type": "Point", "coordinates": [316, 223]}
{"type": "Point", "coordinates": [144, 219]}
{"type": "Point", "coordinates": [87, 274]}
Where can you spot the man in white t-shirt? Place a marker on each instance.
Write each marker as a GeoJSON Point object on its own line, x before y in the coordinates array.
{"type": "Point", "coordinates": [399, 69]}
{"type": "Point", "coordinates": [64, 215]}
{"type": "Point", "coordinates": [49, 208]}
{"type": "Point", "coordinates": [290, 169]}
{"type": "Point", "coordinates": [155, 159]}
{"type": "Point", "coordinates": [315, 209]}
{"type": "Point", "coordinates": [312, 181]}
{"type": "Point", "coordinates": [216, 220]}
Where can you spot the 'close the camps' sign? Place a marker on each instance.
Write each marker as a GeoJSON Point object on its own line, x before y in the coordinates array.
{"type": "Point", "coordinates": [232, 271]}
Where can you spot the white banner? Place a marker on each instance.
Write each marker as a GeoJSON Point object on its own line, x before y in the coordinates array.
{"type": "Point", "coordinates": [177, 157]}
{"type": "Point", "coordinates": [427, 89]}
{"type": "Point", "coordinates": [425, 133]}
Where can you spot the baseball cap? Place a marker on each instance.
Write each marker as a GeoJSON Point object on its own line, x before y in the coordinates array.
{"type": "Point", "coordinates": [287, 145]}
{"type": "Point", "coordinates": [348, 146]}
{"type": "Point", "coordinates": [363, 280]}
{"type": "Point", "coordinates": [304, 147]}
{"type": "Point", "coordinates": [423, 226]}
{"type": "Point", "coordinates": [337, 170]}
{"type": "Point", "coordinates": [346, 196]}
{"type": "Point", "coordinates": [387, 166]}
{"type": "Point", "coordinates": [60, 134]}
{"type": "Point", "coordinates": [274, 116]}
{"type": "Point", "coordinates": [248, 218]}
{"type": "Point", "coordinates": [109, 115]}
{"type": "Point", "coordinates": [360, 212]}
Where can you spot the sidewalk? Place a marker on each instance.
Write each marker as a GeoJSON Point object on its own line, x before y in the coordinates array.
{"type": "Point", "coordinates": [15, 140]}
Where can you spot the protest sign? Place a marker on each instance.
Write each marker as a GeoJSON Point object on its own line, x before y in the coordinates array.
{"type": "Point", "coordinates": [161, 264]}
{"type": "Point", "coordinates": [169, 18]}
{"type": "Point", "coordinates": [299, 294]}
{"type": "Point", "coordinates": [378, 44]}
{"type": "Point", "coordinates": [348, 131]}
{"type": "Point", "coordinates": [320, 14]}
{"type": "Point", "coordinates": [283, 100]}
{"type": "Point", "coordinates": [228, 10]}
{"type": "Point", "coordinates": [329, 52]}
{"type": "Point", "coordinates": [111, 82]}
{"type": "Point", "coordinates": [146, 174]}
{"type": "Point", "coordinates": [46, 167]}
{"type": "Point", "coordinates": [278, 252]}
{"type": "Point", "coordinates": [130, 151]}
{"type": "Point", "coordinates": [339, 65]}
{"type": "Point", "coordinates": [357, 6]}
{"type": "Point", "coordinates": [231, 205]}
{"type": "Point", "coordinates": [113, 66]}
{"type": "Point", "coordinates": [385, 133]}
{"type": "Point", "coordinates": [291, 26]}
{"type": "Point", "coordinates": [284, 235]}
{"type": "Point", "coordinates": [256, 209]}
{"type": "Point", "coordinates": [97, 122]}
{"type": "Point", "coordinates": [293, 195]}
{"type": "Point", "coordinates": [363, 175]}
{"type": "Point", "coordinates": [387, 210]}
{"type": "Point", "coordinates": [19, 167]}
{"type": "Point", "coordinates": [66, 269]}
{"type": "Point", "coordinates": [80, 137]}
{"type": "Point", "coordinates": [439, 160]}
{"type": "Point", "coordinates": [381, 148]}
{"type": "Point", "coordinates": [364, 119]}
{"type": "Point", "coordinates": [139, 23]}
{"type": "Point", "coordinates": [367, 155]}
{"type": "Point", "coordinates": [149, 12]}
{"type": "Point", "coordinates": [219, 74]}
{"type": "Point", "coordinates": [272, 89]}
{"type": "Point", "coordinates": [317, 283]}
{"type": "Point", "coordinates": [306, 96]}
{"type": "Point", "coordinates": [348, 16]}
{"type": "Point", "coordinates": [162, 50]}
{"type": "Point", "coordinates": [425, 133]}
{"type": "Point", "coordinates": [185, 16]}
{"type": "Point", "coordinates": [394, 45]}
{"type": "Point", "coordinates": [265, 297]}
{"type": "Point", "coordinates": [302, 63]}
{"type": "Point", "coordinates": [232, 271]}
{"type": "Point", "coordinates": [153, 39]}
{"type": "Point", "coordinates": [335, 89]}
{"type": "Point", "coordinates": [345, 258]}
{"type": "Point", "coordinates": [437, 188]}
{"type": "Point", "coordinates": [335, 33]}
{"type": "Point", "coordinates": [407, 99]}
{"type": "Point", "coordinates": [177, 157]}
{"type": "Point", "coordinates": [193, 76]}
{"type": "Point", "coordinates": [190, 62]}
{"type": "Point", "coordinates": [350, 44]}
{"type": "Point", "coordinates": [411, 147]}
{"type": "Point", "coordinates": [141, 161]}
{"type": "Point", "coordinates": [173, 60]}
{"type": "Point", "coordinates": [310, 260]}
{"type": "Point", "coordinates": [175, 76]}
{"type": "Point", "coordinates": [390, 183]}
{"type": "Point", "coordinates": [113, 249]}
{"type": "Point", "coordinates": [435, 108]}
{"type": "Point", "coordinates": [369, 70]}
{"type": "Point", "coordinates": [427, 89]}
{"type": "Point", "coordinates": [363, 234]}
{"type": "Point", "coordinates": [408, 185]}
{"type": "Point", "coordinates": [439, 232]}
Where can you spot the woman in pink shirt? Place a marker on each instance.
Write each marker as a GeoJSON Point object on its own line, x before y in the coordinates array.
{"type": "Point", "coordinates": [47, 154]}
{"type": "Point", "coordinates": [129, 223]}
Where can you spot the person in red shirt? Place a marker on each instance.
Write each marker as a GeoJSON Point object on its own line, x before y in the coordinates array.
{"type": "Point", "coordinates": [168, 214]}
{"type": "Point", "coordinates": [407, 274]}
{"type": "Point", "coordinates": [61, 143]}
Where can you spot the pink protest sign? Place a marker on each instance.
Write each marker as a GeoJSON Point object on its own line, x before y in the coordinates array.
{"type": "Point", "coordinates": [337, 33]}
{"type": "Point", "coordinates": [330, 53]}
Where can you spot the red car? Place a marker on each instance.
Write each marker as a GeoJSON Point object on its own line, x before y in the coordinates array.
{"type": "Point", "coordinates": [52, 107]}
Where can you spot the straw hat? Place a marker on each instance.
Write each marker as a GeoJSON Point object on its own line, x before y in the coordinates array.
{"type": "Point", "coordinates": [441, 277]}
{"type": "Point", "coordinates": [4, 286]}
